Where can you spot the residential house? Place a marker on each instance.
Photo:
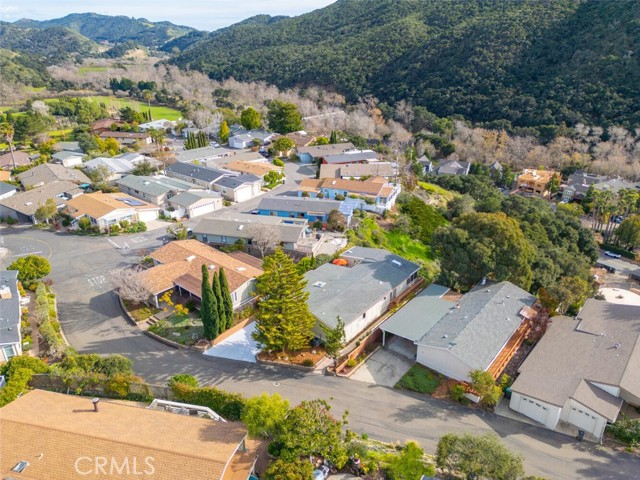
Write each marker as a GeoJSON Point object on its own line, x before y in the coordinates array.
{"type": "Point", "coordinates": [259, 169]}
{"type": "Point", "coordinates": [426, 164]}
{"type": "Point", "coordinates": [10, 337]}
{"type": "Point", "coordinates": [579, 182]}
{"type": "Point", "coordinates": [193, 203]}
{"type": "Point", "coordinates": [239, 188]}
{"type": "Point", "coordinates": [312, 154]}
{"type": "Point", "coordinates": [535, 181]}
{"type": "Point", "coordinates": [68, 147]}
{"type": "Point", "coordinates": [103, 125]}
{"type": "Point", "coordinates": [161, 124]}
{"type": "Point", "coordinates": [5, 176]}
{"type": "Point", "coordinates": [244, 138]}
{"type": "Point", "coordinates": [22, 159]}
{"type": "Point", "coordinates": [453, 167]}
{"type": "Point", "coordinates": [358, 171]}
{"type": "Point", "coordinates": [374, 194]}
{"type": "Point", "coordinates": [60, 437]}
{"type": "Point", "coordinates": [118, 166]}
{"type": "Point", "coordinates": [201, 176]}
{"type": "Point", "coordinates": [233, 186]}
{"type": "Point", "coordinates": [127, 138]}
{"type": "Point", "coordinates": [300, 139]}
{"type": "Point", "coordinates": [156, 190]}
{"type": "Point", "coordinates": [203, 154]}
{"type": "Point", "coordinates": [349, 157]}
{"type": "Point", "coordinates": [236, 156]}
{"type": "Point", "coordinates": [311, 209]}
{"type": "Point", "coordinates": [107, 209]}
{"type": "Point", "coordinates": [51, 172]}
{"type": "Point", "coordinates": [7, 190]}
{"type": "Point", "coordinates": [294, 235]}
{"type": "Point", "coordinates": [22, 206]}
{"type": "Point", "coordinates": [584, 370]}
{"type": "Point", "coordinates": [68, 159]}
{"type": "Point", "coordinates": [178, 264]}
{"type": "Point", "coordinates": [495, 169]}
{"type": "Point", "coordinates": [190, 131]}
{"type": "Point", "coordinates": [481, 331]}
{"type": "Point", "coordinates": [360, 292]}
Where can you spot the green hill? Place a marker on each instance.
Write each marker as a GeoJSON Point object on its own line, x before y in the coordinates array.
{"type": "Point", "coordinates": [529, 62]}
{"type": "Point", "coordinates": [114, 29]}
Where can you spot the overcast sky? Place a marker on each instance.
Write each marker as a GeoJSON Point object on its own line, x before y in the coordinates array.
{"type": "Point", "coordinates": [202, 14]}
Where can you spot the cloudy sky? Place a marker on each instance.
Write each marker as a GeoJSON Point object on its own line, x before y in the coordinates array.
{"type": "Point", "coordinates": [202, 14]}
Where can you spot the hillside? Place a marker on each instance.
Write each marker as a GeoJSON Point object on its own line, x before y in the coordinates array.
{"type": "Point", "coordinates": [529, 62]}
{"type": "Point", "coordinates": [52, 45]}
{"type": "Point", "coordinates": [113, 29]}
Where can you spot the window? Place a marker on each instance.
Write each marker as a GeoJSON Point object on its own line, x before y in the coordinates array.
{"type": "Point", "coordinates": [364, 315]}
{"type": "Point", "coordinates": [235, 296]}
{"type": "Point", "coordinates": [8, 352]}
{"type": "Point", "coordinates": [272, 213]}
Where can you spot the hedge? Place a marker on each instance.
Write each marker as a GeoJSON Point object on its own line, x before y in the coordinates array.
{"type": "Point", "coordinates": [228, 405]}
{"type": "Point", "coordinates": [19, 371]}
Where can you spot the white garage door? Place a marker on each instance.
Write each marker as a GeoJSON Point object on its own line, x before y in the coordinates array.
{"type": "Point", "coordinates": [146, 215]}
{"type": "Point", "coordinates": [534, 409]}
{"type": "Point", "coordinates": [583, 420]}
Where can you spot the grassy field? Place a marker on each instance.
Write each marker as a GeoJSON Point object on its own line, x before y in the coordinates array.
{"type": "Point", "coordinates": [157, 111]}
{"type": "Point", "coordinates": [61, 135]}
{"type": "Point", "coordinates": [407, 247]}
{"type": "Point", "coordinates": [420, 379]}
{"type": "Point", "coordinates": [435, 189]}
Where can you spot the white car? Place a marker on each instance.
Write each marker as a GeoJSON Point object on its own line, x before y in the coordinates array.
{"type": "Point", "coordinates": [611, 254]}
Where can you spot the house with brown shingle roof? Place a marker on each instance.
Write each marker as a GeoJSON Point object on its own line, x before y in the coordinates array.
{"type": "Point", "coordinates": [107, 209]}
{"type": "Point", "coordinates": [59, 437]}
{"type": "Point", "coordinates": [23, 206]}
{"type": "Point", "coordinates": [374, 194]}
{"type": "Point", "coordinates": [22, 159]}
{"type": "Point", "coordinates": [51, 172]}
{"type": "Point", "coordinates": [584, 370]}
{"type": "Point", "coordinates": [178, 264]}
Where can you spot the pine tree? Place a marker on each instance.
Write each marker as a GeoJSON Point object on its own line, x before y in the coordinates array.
{"type": "Point", "coordinates": [283, 320]}
{"type": "Point", "coordinates": [209, 307]}
{"type": "Point", "coordinates": [226, 298]}
{"type": "Point", "coordinates": [333, 139]}
{"type": "Point", "coordinates": [217, 292]}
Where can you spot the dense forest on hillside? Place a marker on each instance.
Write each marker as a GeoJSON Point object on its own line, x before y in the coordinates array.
{"type": "Point", "coordinates": [512, 63]}
{"type": "Point", "coordinates": [113, 29]}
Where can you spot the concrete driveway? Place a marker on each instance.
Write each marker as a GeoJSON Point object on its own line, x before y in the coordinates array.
{"type": "Point", "coordinates": [384, 367]}
{"type": "Point", "coordinates": [239, 346]}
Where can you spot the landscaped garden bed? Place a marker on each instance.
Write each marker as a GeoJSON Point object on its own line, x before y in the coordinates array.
{"type": "Point", "coordinates": [308, 357]}
{"type": "Point", "coordinates": [179, 328]}
{"type": "Point", "coordinates": [420, 379]}
{"type": "Point", "coordinates": [140, 311]}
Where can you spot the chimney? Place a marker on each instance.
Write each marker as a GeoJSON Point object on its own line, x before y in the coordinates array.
{"type": "Point", "coordinates": [95, 404]}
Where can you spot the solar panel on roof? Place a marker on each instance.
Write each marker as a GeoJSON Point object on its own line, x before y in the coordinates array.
{"type": "Point", "coordinates": [132, 202]}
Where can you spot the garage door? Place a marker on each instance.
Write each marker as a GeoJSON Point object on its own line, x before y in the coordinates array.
{"type": "Point", "coordinates": [534, 409]}
{"type": "Point", "coordinates": [583, 420]}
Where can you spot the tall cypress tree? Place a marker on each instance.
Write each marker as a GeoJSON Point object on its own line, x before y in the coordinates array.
{"type": "Point", "coordinates": [226, 298]}
{"type": "Point", "coordinates": [283, 320]}
{"type": "Point", "coordinates": [333, 139]}
{"type": "Point", "coordinates": [209, 307]}
{"type": "Point", "coordinates": [217, 292]}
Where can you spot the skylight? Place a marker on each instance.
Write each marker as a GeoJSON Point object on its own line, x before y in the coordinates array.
{"type": "Point", "coordinates": [319, 284]}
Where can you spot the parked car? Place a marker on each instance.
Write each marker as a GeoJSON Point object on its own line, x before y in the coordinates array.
{"type": "Point", "coordinates": [321, 473]}
{"type": "Point", "coordinates": [612, 254]}
{"type": "Point", "coordinates": [214, 144]}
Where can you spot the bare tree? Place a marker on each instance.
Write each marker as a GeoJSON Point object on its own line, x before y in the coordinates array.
{"type": "Point", "coordinates": [130, 285]}
{"type": "Point", "coordinates": [208, 121]}
{"type": "Point", "coordinates": [264, 237]}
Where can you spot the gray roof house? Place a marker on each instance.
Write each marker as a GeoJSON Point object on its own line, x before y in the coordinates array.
{"type": "Point", "coordinates": [7, 190]}
{"type": "Point", "coordinates": [22, 206]}
{"type": "Point", "coordinates": [311, 154]}
{"type": "Point", "coordinates": [227, 228]}
{"type": "Point", "coordinates": [51, 172]}
{"type": "Point", "coordinates": [244, 138]}
{"type": "Point", "coordinates": [454, 167]}
{"type": "Point", "coordinates": [583, 370]}
{"type": "Point", "coordinates": [239, 188]}
{"type": "Point", "coordinates": [119, 166]}
{"type": "Point", "coordinates": [426, 164]}
{"type": "Point", "coordinates": [68, 158]}
{"type": "Point", "coordinates": [10, 338]}
{"type": "Point", "coordinates": [203, 154]}
{"type": "Point", "coordinates": [478, 332]}
{"type": "Point", "coordinates": [193, 203]}
{"type": "Point", "coordinates": [361, 291]}
{"type": "Point", "coordinates": [155, 190]}
{"type": "Point", "coordinates": [68, 146]}
{"type": "Point", "coordinates": [355, 156]}
{"type": "Point", "coordinates": [204, 177]}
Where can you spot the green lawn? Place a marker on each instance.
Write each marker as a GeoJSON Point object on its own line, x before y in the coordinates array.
{"type": "Point", "coordinates": [405, 246]}
{"type": "Point", "coordinates": [179, 328]}
{"type": "Point", "coordinates": [431, 188]}
{"type": "Point", "coordinates": [61, 135]}
{"type": "Point", "coordinates": [420, 379]}
{"type": "Point", "coordinates": [157, 111]}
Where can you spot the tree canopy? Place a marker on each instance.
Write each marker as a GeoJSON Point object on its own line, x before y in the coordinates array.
{"type": "Point", "coordinates": [284, 117]}
{"type": "Point", "coordinates": [30, 268]}
{"type": "Point", "coordinates": [250, 118]}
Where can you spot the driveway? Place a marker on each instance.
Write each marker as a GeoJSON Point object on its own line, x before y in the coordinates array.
{"type": "Point", "coordinates": [384, 367]}
{"type": "Point", "coordinates": [93, 323]}
{"type": "Point", "coordinates": [239, 346]}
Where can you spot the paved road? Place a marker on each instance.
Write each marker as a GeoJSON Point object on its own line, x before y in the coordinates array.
{"type": "Point", "coordinates": [93, 323]}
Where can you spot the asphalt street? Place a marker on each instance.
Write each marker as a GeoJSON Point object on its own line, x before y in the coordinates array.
{"type": "Point", "coordinates": [93, 323]}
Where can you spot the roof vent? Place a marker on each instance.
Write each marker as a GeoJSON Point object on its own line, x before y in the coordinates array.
{"type": "Point", "coordinates": [445, 336]}
{"type": "Point", "coordinates": [617, 345]}
{"type": "Point", "coordinates": [396, 262]}
{"type": "Point", "coordinates": [190, 258]}
{"type": "Point", "coordinates": [241, 269]}
{"type": "Point", "coordinates": [319, 284]}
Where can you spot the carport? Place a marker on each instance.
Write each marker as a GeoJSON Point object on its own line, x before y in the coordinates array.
{"type": "Point", "coordinates": [416, 318]}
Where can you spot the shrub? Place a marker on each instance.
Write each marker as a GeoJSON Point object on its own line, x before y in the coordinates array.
{"type": "Point", "coordinates": [277, 162]}
{"type": "Point", "coordinates": [352, 362]}
{"type": "Point", "coordinates": [117, 386]}
{"type": "Point", "coordinates": [289, 470]}
{"type": "Point", "coordinates": [229, 405]}
{"type": "Point", "coordinates": [626, 430]}
{"type": "Point", "coordinates": [183, 378]}
{"type": "Point", "coordinates": [339, 197]}
{"type": "Point", "coordinates": [457, 393]}
{"type": "Point", "coordinates": [307, 362]}
{"type": "Point", "coordinates": [114, 365]}
{"type": "Point", "coordinates": [274, 449]}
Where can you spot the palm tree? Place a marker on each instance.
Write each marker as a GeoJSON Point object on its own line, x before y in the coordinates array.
{"type": "Point", "coordinates": [6, 130]}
